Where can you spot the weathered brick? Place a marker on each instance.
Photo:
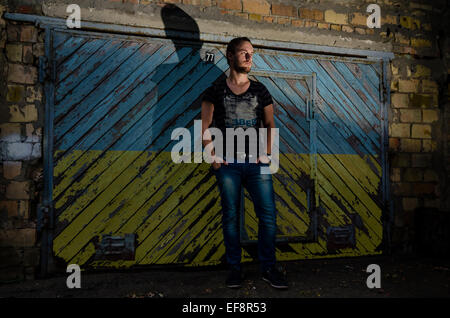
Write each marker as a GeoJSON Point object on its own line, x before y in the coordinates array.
{"type": "Point", "coordinates": [432, 203]}
{"type": "Point", "coordinates": [408, 86]}
{"type": "Point", "coordinates": [311, 14]}
{"type": "Point", "coordinates": [27, 54]}
{"type": "Point", "coordinates": [10, 132]}
{"type": "Point", "coordinates": [358, 18]}
{"type": "Point", "coordinates": [285, 10]}
{"type": "Point", "coordinates": [310, 24]}
{"type": "Point", "coordinates": [400, 130]}
{"type": "Point", "coordinates": [336, 18]}
{"type": "Point", "coordinates": [427, 27]}
{"type": "Point", "coordinates": [204, 3]}
{"type": "Point", "coordinates": [10, 208]}
{"type": "Point", "coordinates": [28, 33]}
{"type": "Point", "coordinates": [13, 32]}
{"type": "Point", "coordinates": [388, 19]}
{"type": "Point", "coordinates": [402, 188]}
{"type": "Point", "coordinates": [421, 160]}
{"type": "Point", "coordinates": [421, 131]}
{"type": "Point", "coordinates": [16, 93]}
{"type": "Point", "coordinates": [410, 145]}
{"type": "Point", "coordinates": [394, 85]}
{"type": "Point", "coordinates": [22, 74]}
{"type": "Point", "coordinates": [255, 17]}
{"type": "Point", "coordinates": [430, 115]}
{"type": "Point", "coordinates": [31, 257]}
{"type": "Point", "coordinates": [409, 23]}
{"type": "Point", "coordinates": [347, 28]}
{"type": "Point", "coordinates": [230, 4]}
{"type": "Point", "coordinates": [27, 113]}
{"type": "Point", "coordinates": [256, 6]}
{"type": "Point", "coordinates": [36, 151]}
{"type": "Point", "coordinates": [395, 175]}
{"type": "Point", "coordinates": [420, 43]}
{"type": "Point", "coordinates": [12, 169]}
{"type": "Point", "coordinates": [33, 93]}
{"type": "Point", "coordinates": [336, 27]}
{"type": "Point", "coordinates": [413, 175]}
{"type": "Point", "coordinates": [420, 189]}
{"type": "Point", "coordinates": [402, 39]}
{"type": "Point", "coordinates": [428, 145]}
{"type": "Point", "coordinates": [410, 115]}
{"type": "Point", "coordinates": [401, 160]}
{"type": "Point", "coordinates": [38, 49]}
{"type": "Point", "coordinates": [298, 22]}
{"type": "Point", "coordinates": [17, 150]}
{"type": "Point", "coordinates": [418, 71]}
{"type": "Point", "coordinates": [394, 143]}
{"type": "Point", "coordinates": [430, 176]}
{"type": "Point", "coordinates": [32, 134]}
{"type": "Point", "coordinates": [423, 100]}
{"type": "Point", "coordinates": [271, 19]}
{"type": "Point", "coordinates": [14, 52]}
{"type": "Point", "coordinates": [281, 20]}
{"type": "Point", "coordinates": [18, 190]}
{"type": "Point", "coordinates": [18, 237]}
{"type": "Point", "coordinates": [410, 204]}
{"type": "Point", "coordinates": [243, 15]}
{"type": "Point", "coordinates": [415, 5]}
{"type": "Point", "coordinates": [430, 87]}
{"type": "Point", "coordinates": [325, 26]}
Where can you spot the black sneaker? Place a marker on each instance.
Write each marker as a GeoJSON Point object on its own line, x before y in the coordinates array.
{"type": "Point", "coordinates": [275, 278]}
{"type": "Point", "coordinates": [234, 279]}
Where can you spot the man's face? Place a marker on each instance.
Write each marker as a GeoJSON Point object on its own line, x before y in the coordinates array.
{"type": "Point", "coordinates": [243, 57]}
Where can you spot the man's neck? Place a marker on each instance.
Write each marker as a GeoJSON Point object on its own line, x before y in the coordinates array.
{"type": "Point", "coordinates": [237, 78]}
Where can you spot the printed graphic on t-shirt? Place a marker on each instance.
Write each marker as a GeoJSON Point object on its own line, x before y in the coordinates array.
{"type": "Point", "coordinates": [240, 111]}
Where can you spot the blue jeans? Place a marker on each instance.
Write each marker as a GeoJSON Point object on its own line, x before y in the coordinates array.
{"type": "Point", "coordinates": [230, 178]}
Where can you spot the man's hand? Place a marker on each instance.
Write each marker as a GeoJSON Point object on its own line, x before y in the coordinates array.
{"type": "Point", "coordinates": [263, 159]}
{"type": "Point", "coordinates": [217, 162]}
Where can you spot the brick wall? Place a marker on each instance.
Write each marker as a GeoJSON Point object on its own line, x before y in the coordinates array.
{"type": "Point", "coordinates": [20, 147]}
{"type": "Point", "coordinates": [419, 116]}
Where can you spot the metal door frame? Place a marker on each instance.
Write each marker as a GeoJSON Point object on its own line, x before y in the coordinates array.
{"type": "Point", "coordinates": [312, 198]}
{"type": "Point", "coordinates": [45, 213]}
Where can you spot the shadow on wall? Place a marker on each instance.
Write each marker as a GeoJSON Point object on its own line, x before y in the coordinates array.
{"type": "Point", "coordinates": [167, 75]}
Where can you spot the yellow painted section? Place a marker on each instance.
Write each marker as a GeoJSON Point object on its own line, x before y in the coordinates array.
{"type": "Point", "coordinates": [174, 209]}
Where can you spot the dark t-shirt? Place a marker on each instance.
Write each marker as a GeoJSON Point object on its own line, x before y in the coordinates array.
{"type": "Point", "coordinates": [233, 111]}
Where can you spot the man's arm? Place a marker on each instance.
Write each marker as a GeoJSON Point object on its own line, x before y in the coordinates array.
{"type": "Point", "coordinates": [269, 122]}
{"type": "Point", "coordinates": [207, 117]}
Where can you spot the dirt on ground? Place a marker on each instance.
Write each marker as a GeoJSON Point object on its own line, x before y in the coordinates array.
{"type": "Point", "coordinates": [342, 278]}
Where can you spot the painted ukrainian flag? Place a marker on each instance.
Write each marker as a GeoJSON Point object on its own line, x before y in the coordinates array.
{"type": "Point", "coordinates": [117, 101]}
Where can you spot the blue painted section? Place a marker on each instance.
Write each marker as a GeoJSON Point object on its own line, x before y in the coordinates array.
{"type": "Point", "coordinates": [87, 87]}
{"type": "Point", "coordinates": [120, 99]}
{"type": "Point", "coordinates": [89, 66]}
{"type": "Point", "coordinates": [334, 96]}
{"type": "Point", "coordinates": [126, 111]}
{"type": "Point", "coordinates": [68, 48]}
{"type": "Point", "coordinates": [75, 61]}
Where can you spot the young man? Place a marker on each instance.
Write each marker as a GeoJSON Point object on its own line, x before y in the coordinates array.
{"type": "Point", "coordinates": [237, 102]}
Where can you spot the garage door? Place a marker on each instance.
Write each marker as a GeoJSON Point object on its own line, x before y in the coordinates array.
{"type": "Point", "coordinates": [120, 201]}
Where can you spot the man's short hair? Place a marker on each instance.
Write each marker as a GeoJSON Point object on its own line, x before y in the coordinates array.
{"type": "Point", "coordinates": [231, 47]}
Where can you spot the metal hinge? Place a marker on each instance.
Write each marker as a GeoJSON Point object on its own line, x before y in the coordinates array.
{"type": "Point", "coordinates": [43, 217]}
{"type": "Point", "coordinates": [115, 247]}
{"type": "Point", "coordinates": [44, 72]}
